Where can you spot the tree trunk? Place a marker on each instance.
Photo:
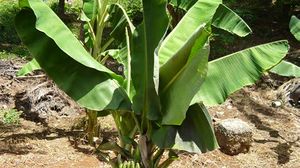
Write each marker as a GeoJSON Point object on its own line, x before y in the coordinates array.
{"type": "Point", "coordinates": [61, 8]}
{"type": "Point", "coordinates": [93, 128]}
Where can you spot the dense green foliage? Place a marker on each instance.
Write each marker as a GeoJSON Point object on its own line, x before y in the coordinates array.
{"type": "Point", "coordinates": [8, 9]}
{"type": "Point", "coordinates": [134, 9]}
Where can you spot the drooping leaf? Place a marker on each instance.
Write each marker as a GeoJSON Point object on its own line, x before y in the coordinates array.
{"type": "Point", "coordinates": [200, 13]}
{"type": "Point", "coordinates": [28, 68]}
{"type": "Point", "coordinates": [182, 76]}
{"type": "Point", "coordinates": [164, 137]}
{"type": "Point", "coordinates": [144, 42]}
{"type": "Point", "coordinates": [228, 20]}
{"type": "Point", "coordinates": [285, 68]}
{"type": "Point", "coordinates": [194, 135]}
{"type": "Point", "coordinates": [119, 20]}
{"type": "Point", "coordinates": [59, 33]}
{"type": "Point", "coordinates": [65, 60]}
{"type": "Point", "coordinates": [295, 27]}
{"type": "Point", "coordinates": [230, 73]}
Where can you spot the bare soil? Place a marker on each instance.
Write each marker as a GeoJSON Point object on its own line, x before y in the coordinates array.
{"type": "Point", "coordinates": [276, 131]}
{"type": "Point", "coordinates": [35, 144]}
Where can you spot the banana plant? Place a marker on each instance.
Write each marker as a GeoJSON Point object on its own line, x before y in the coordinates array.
{"type": "Point", "coordinates": [159, 105]}
{"type": "Point", "coordinates": [285, 68]}
{"type": "Point", "coordinates": [96, 17]}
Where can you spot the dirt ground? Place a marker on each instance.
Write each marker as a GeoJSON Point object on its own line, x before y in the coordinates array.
{"type": "Point", "coordinates": [276, 132]}
{"type": "Point", "coordinates": [34, 144]}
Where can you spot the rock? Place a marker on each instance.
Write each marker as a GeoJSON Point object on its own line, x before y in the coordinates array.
{"type": "Point", "coordinates": [234, 136]}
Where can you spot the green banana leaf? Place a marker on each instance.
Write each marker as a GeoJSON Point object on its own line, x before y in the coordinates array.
{"type": "Point", "coordinates": [90, 8]}
{"type": "Point", "coordinates": [196, 134]}
{"type": "Point", "coordinates": [183, 4]}
{"type": "Point", "coordinates": [295, 27]}
{"type": "Point", "coordinates": [182, 76]}
{"type": "Point", "coordinates": [226, 19]}
{"type": "Point", "coordinates": [28, 68]}
{"type": "Point", "coordinates": [200, 13]}
{"type": "Point", "coordinates": [285, 68]}
{"type": "Point", "coordinates": [66, 61]}
{"type": "Point", "coordinates": [143, 63]}
{"type": "Point", "coordinates": [230, 73]}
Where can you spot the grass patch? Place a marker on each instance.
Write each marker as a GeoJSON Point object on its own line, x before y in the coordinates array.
{"type": "Point", "coordinates": [10, 116]}
{"type": "Point", "coordinates": [4, 55]}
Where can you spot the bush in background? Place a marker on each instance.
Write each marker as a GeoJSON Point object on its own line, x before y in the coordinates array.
{"type": "Point", "coordinates": [134, 9]}
{"type": "Point", "coordinates": [8, 10]}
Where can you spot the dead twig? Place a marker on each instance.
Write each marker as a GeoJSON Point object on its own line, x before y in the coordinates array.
{"type": "Point", "coordinates": [39, 86]}
{"type": "Point", "coordinates": [30, 77]}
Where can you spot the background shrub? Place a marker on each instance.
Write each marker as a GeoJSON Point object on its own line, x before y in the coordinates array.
{"type": "Point", "coordinates": [8, 10]}
{"type": "Point", "coordinates": [134, 9]}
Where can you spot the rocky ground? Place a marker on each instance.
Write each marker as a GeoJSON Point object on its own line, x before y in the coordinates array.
{"type": "Point", "coordinates": [44, 137]}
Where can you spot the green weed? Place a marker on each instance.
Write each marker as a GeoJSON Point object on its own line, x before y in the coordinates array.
{"type": "Point", "coordinates": [10, 116]}
{"type": "Point", "coordinates": [4, 55]}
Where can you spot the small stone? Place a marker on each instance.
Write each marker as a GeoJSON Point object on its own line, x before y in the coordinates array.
{"type": "Point", "coordinates": [219, 114]}
{"type": "Point", "coordinates": [3, 106]}
{"type": "Point", "coordinates": [276, 103]}
{"type": "Point", "coordinates": [97, 140]}
{"type": "Point", "coordinates": [234, 136]}
{"type": "Point", "coordinates": [52, 135]}
{"type": "Point", "coordinates": [229, 107]}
